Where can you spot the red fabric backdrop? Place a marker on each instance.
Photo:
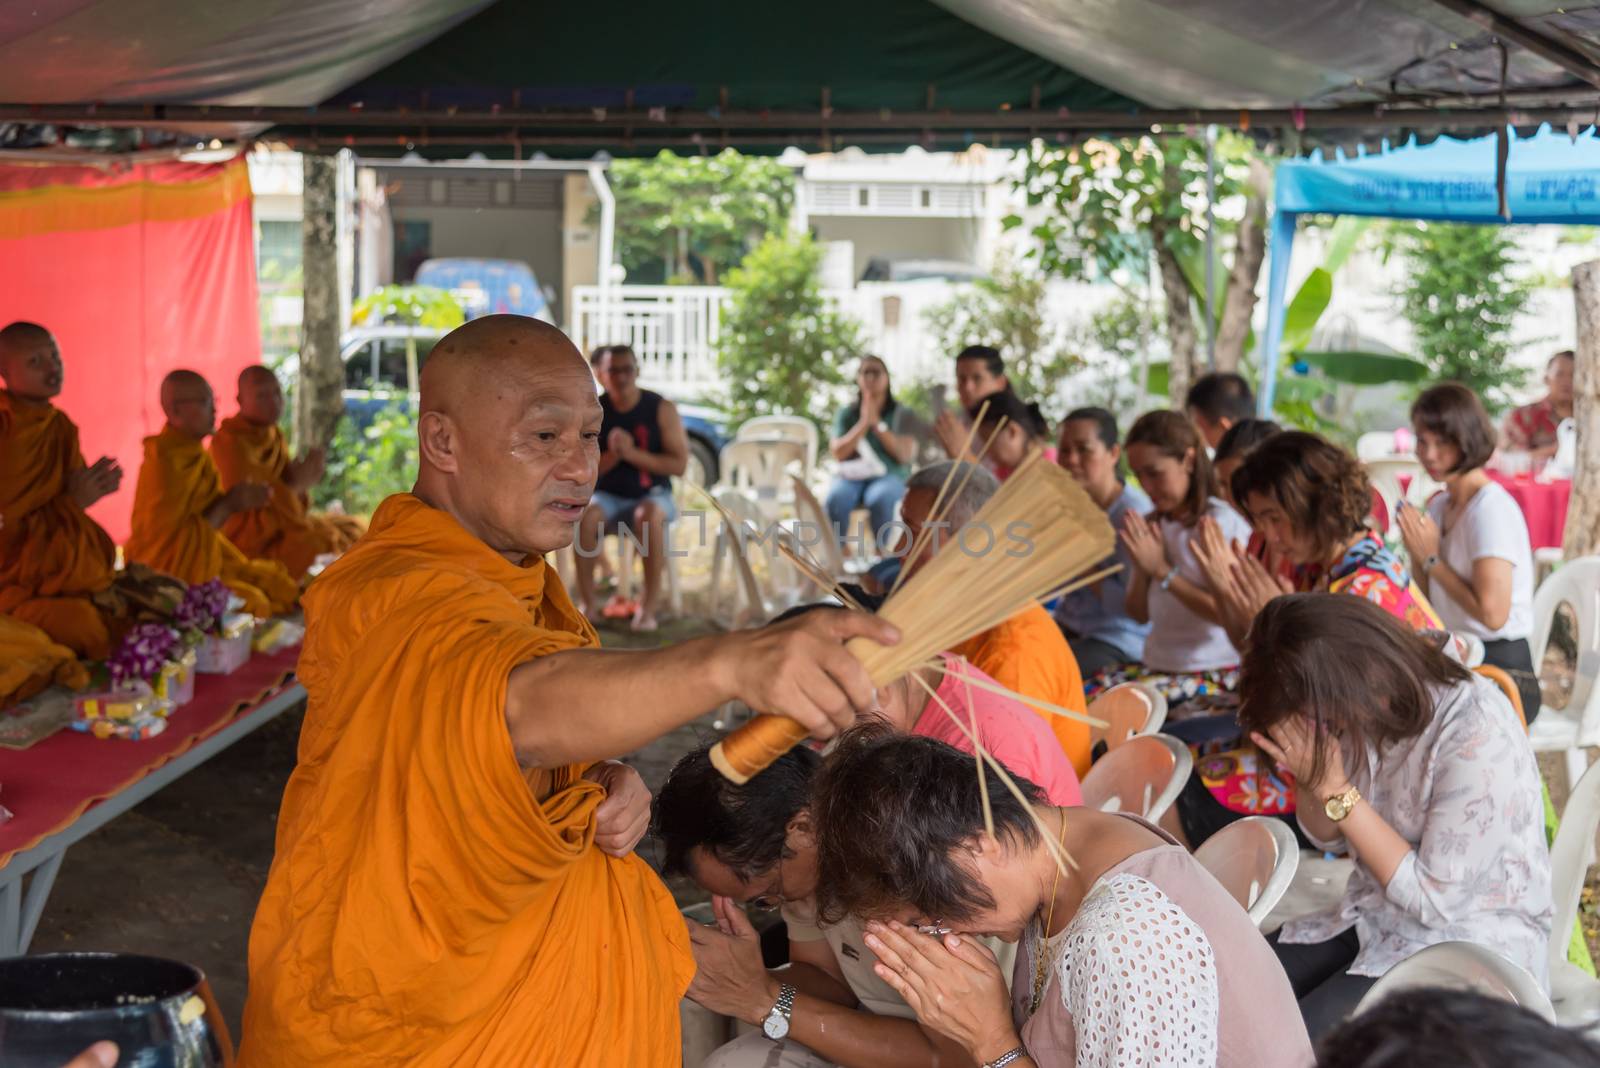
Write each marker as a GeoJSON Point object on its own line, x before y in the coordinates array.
{"type": "Point", "coordinates": [136, 272]}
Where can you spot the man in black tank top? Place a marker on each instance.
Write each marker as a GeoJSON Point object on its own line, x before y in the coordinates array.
{"type": "Point", "coordinates": [642, 445]}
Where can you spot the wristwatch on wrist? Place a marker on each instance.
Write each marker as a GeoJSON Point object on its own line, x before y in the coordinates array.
{"type": "Point", "coordinates": [1005, 1058]}
{"type": "Point", "coordinates": [776, 1025]}
{"type": "Point", "coordinates": [1339, 805]}
{"type": "Point", "coordinates": [1166, 580]}
{"type": "Point", "coordinates": [1430, 563]}
{"type": "Point", "coordinates": [882, 427]}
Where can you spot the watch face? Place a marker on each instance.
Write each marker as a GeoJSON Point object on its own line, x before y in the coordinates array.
{"type": "Point", "coordinates": [1337, 808]}
{"type": "Point", "coordinates": [776, 1026]}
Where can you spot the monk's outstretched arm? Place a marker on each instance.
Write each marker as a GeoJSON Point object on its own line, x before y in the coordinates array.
{"type": "Point", "coordinates": [590, 704]}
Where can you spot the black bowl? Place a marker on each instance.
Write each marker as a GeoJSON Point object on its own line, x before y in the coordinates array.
{"type": "Point", "coordinates": [160, 1013]}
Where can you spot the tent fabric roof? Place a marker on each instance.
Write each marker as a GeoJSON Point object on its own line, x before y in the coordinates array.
{"type": "Point", "coordinates": [1550, 178]}
{"type": "Point", "coordinates": [447, 76]}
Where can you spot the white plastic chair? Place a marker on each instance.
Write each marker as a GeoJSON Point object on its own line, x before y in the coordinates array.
{"type": "Point", "coordinates": [759, 468]}
{"type": "Point", "coordinates": [1375, 445]}
{"type": "Point", "coordinates": [1129, 709]}
{"type": "Point", "coordinates": [627, 549]}
{"type": "Point", "coordinates": [795, 428]}
{"type": "Point", "coordinates": [1568, 730]}
{"type": "Point", "coordinates": [1575, 994]}
{"type": "Point", "coordinates": [1142, 776]}
{"type": "Point", "coordinates": [1462, 966]}
{"type": "Point", "coordinates": [736, 532]}
{"type": "Point", "coordinates": [1385, 474]}
{"type": "Point", "coordinates": [824, 545]}
{"type": "Point", "coordinates": [1255, 860]}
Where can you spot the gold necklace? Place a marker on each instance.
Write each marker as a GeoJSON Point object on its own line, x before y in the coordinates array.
{"type": "Point", "coordinates": [1041, 964]}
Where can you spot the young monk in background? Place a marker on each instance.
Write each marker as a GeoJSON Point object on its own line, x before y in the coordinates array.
{"type": "Point", "coordinates": [179, 506]}
{"type": "Point", "coordinates": [453, 884]}
{"type": "Point", "coordinates": [249, 447]}
{"type": "Point", "coordinates": [53, 557]}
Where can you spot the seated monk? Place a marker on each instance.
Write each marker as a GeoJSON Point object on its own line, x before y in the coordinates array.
{"type": "Point", "coordinates": [30, 661]}
{"type": "Point", "coordinates": [454, 884]}
{"type": "Point", "coordinates": [53, 557]}
{"type": "Point", "coordinates": [179, 506]}
{"type": "Point", "coordinates": [249, 447]}
{"type": "Point", "coordinates": [1027, 653]}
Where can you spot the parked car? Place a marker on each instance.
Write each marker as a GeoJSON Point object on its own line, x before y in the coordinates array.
{"type": "Point", "coordinates": [909, 269]}
{"type": "Point", "coordinates": [486, 287]}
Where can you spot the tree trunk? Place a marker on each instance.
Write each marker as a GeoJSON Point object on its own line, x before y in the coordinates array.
{"type": "Point", "coordinates": [1181, 336]}
{"type": "Point", "coordinates": [1248, 253]}
{"type": "Point", "coordinates": [319, 399]}
{"type": "Point", "coordinates": [1582, 535]}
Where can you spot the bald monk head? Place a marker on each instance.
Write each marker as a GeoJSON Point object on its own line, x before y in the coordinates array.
{"type": "Point", "coordinates": [30, 362]}
{"type": "Point", "coordinates": [260, 396]}
{"type": "Point", "coordinates": [509, 436]}
{"type": "Point", "coordinates": [188, 404]}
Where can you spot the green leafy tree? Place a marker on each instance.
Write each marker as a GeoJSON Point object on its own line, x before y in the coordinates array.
{"type": "Point", "coordinates": [693, 217]}
{"type": "Point", "coordinates": [1462, 294]}
{"type": "Point", "coordinates": [368, 462]}
{"type": "Point", "coordinates": [1116, 203]}
{"type": "Point", "coordinates": [1008, 310]}
{"type": "Point", "coordinates": [783, 347]}
{"type": "Point", "coordinates": [411, 305]}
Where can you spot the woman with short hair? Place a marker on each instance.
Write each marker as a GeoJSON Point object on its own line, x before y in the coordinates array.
{"type": "Point", "coordinates": [1131, 954]}
{"type": "Point", "coordinates": [1471, 550]}
{"type": "Point", "coordinates": [1418, 769]}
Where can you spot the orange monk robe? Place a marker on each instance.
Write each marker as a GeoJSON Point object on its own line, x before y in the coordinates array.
{"type": "Point", "coordinates": [431, 903]}
{"type": "Point", "coordinates": [284, 530]}
{"type": "Point", "coordinates": [178, 483]}
{"type": "Point", "coordinates": [53, 557]}
{"type": "Point", "coordinates": [30, 661]}
{"type": "Point", "coordinates": [1028, 654]}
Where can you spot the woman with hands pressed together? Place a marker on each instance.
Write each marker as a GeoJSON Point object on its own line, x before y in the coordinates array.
{"type": "Point", "coordinates": [872, 442]}
{"type": "Point", "coordinates": [1130, 955]}
{"type": "Point", "coordinates": [1187, 652]}
{"type": "Point", "coordinates": [1470, 548]}
{"type": "Point", "coordinates": [1418, 769]}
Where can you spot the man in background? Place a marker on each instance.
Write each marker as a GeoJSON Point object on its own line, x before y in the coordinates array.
{"type": "Point", "coordinates": [1532, 427]}
{"type": "Point", "coordinates": [642, 446]}
{"type": "Point", "coordinates": [980, 372]}
{"type": "Point", "coordinates": [1216, 402]}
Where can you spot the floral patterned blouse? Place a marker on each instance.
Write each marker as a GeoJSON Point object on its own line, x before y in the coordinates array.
{"type": "Point", "coordinates": [1465, 794]}
{"type": "Point", "coordinates": [1241, 779]}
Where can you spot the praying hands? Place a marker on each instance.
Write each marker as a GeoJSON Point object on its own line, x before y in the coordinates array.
{"type": "Point", "coordinates": [1421, 536]}
{"type": "Point", "coordinates": [953, 984]}
{"type": "Point", "coordinates": [89, 484]}
{"type": "Point", "coordinates": [730, 978]}
{"type": "Point", "coordinates": [1143, 539]}
{"type": "Point", "coordinates": [1241, 584]}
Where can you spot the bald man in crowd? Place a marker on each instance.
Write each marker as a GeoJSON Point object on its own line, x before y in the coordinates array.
{"type": "Point", "coordinates": [454, 882]}
{"type": "Point", "coordinates": [54, 558]}
{"type": "Point", "coordinates": [250, 448]}
{"type": "Point", "coordinates": [179, 506]}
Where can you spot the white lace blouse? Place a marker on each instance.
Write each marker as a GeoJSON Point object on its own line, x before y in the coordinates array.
{"type": "Point", "coordinates": [1465, 793]}
{"type": "Point", "coordinates": [1141, 978]}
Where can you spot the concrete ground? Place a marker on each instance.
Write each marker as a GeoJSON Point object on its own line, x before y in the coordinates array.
{"type": "Point", "coordinates": [180, 875]}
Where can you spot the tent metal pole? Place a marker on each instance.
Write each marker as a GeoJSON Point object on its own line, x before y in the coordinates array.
{"type": "Point", "coordinates": [1526, 38]}
{"type": "Point", "coordinates": [1278, 251]}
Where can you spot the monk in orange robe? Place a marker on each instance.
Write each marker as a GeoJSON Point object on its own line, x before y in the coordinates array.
{"type": "Point", "coordinates": [179, 506]}
{"type": "Point", "coordinates": [30, 661]}
{"type": "Point", "coordinates": [53, 557]}
{"type": "Point", "coordinates": [454, 882]}
{"type": "Point", "coordinates": [1027, 653]}
{"type": "Point", "coordinates": [249, 447]}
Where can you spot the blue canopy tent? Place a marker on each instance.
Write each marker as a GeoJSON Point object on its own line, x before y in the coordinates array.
{"type": "Point", "coordinates": [1550, 178]}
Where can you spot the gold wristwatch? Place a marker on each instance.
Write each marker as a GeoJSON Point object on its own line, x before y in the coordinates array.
{"type": "Point", "coordinates": [1339, 805]}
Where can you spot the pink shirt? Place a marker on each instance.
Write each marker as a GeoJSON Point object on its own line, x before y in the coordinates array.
{"type": "Point", "coordinates": [1012, 732]}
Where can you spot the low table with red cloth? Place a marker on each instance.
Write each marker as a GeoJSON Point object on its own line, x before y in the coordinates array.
{"type": "Point", "coordinates": [65, 787]}
{"type": "Point", "coordinates": [1543, 504]}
